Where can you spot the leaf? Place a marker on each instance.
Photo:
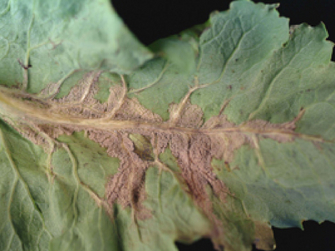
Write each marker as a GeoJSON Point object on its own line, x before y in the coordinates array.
{"type": "Point", "coordinates": [55, 39]}
{"type": "Point", "coordinates": [221, 134]}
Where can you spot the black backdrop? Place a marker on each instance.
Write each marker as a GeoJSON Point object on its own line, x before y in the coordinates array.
{"type": "Point", "coordinates": [150, 20]}
{"type": "Point", "coordinates": [154, 19]}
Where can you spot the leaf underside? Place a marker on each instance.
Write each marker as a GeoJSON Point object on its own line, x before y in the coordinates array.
{"type": "Point", "coordinates": [108, 145]}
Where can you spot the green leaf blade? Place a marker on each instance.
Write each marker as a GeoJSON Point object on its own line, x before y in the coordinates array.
{"type": "Point", "coordinates": [220, 135]}
{"type": "Point", "coordinates": [55, 38]}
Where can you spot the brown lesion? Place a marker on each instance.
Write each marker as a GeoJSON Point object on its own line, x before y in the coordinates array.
{"type": "Point", "coordinates": [136, 136]}
{"type": "Point", "coordinates": [116, 99]}
{"type": "Point", "coordinates": [127, 186]}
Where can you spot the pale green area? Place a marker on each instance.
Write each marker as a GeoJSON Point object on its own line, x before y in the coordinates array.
{"type": "Point", "coordinates": [58, 37]}
{"type": "Point", "coordinates": [175, 217]}
{"type": "Point", "coordinates": [41, 211]}
{"type": "Point", "coordinates": [233, 52]}
{"type": "Point", "coordinates": [106, 80]}
{"type": "Point", "coordinates": [166, 83]}
{"type": "Point", "coordinates": [249, 58]}
{"type": "Point", "coordinates": [296, 183]}
{"type": "Point", "coordinates": [59, 213]}
{"type": "Point", "coordinates": [246, 56]}
{"type": "Point", "coordinates": [237, 226]}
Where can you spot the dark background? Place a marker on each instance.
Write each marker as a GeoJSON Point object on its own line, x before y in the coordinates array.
{"type": "Point", "coordinates": [154, 19]}
{"type": "Point", "coordinates": [150, 20]}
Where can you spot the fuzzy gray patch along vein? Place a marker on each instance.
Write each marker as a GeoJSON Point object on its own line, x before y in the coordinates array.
{"type": "Point", "coordinates": [136, 136]}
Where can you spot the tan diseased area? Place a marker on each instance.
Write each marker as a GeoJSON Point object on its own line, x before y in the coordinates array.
{"type": "Point", "coordinates": [192, 142]}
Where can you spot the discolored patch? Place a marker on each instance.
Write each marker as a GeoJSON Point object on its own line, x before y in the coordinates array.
{"type": "Point", "coordinates": [136, 136]}
{"type": "Point", "coordinates": [189, 117]}
{"type": "Point", "coordinates": [127, 186]}
{"type": "Point", "coordinates": [264, 238]}
{"type": "Point", "coordinates": [142, 147]}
